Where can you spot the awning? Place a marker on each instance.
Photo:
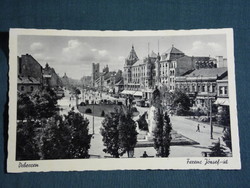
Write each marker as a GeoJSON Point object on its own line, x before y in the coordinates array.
{"type": "Point", "coordinates": [131, 92]}
{"type": "Point", "coordinates": [222, 101]}
{"type": "Point", "coordinates": [127, 92]}
{"type": "Point", "coordinates": [138, 93]}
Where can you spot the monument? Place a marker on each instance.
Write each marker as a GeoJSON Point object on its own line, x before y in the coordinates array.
{"type": "Point", "coordinates": [156, 105]}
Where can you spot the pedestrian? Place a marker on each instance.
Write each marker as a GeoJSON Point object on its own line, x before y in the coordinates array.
{"type": "Point", "coordinates": [224, 129]}
{"type": "Point", "coordinates": [198, 128]}
{"type": "Point", "coordinates": [145, 154]}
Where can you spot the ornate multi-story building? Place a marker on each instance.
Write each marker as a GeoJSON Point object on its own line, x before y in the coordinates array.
{"type": "Point", "coordinates": [141, 76]}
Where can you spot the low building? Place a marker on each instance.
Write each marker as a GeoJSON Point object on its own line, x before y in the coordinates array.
{"type": "Point", "coordinates": [119, 86]}
{"type": "Point", "coordinates": [30, 74]}
{"type": "Point", "coordinates": [222, 92]}
{"type": "Point", "coordinates": [201, 85]}
{"type": "Point", "coordinates": [28, 84]}
{"type": "Point", "coordinates": [50, 78]}
{"type": "Point", "coordinates": [29, 67]}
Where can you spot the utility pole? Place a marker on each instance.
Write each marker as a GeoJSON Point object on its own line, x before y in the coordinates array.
{"type": "Point", "coordinates": [93, 121]}
{"type": "Point", "coordinates": [211, 125]}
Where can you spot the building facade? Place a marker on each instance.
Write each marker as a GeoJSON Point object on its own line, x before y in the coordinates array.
{"type": "Point", "coordinates": [222, 92]}
{"type": "Point", "coordinates": [33, 77]}
{"type": "Point", "coordinates": [162, 70]}
{"type": "Point", "coordinates": [50, 77]}
{"type": "Point", "coordinates": [29, 67]}
{"type": "Point", "coordinates": [201, 85]}
{"type": "Point", "coordinates": [30, 74]}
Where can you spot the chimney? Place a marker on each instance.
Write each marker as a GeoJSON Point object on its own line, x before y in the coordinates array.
{"type": "Point", "coordinates": [219, 60]}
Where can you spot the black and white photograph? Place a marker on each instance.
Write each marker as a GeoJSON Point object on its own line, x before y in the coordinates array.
{"type": "Point", "coordinates": [118, 100]}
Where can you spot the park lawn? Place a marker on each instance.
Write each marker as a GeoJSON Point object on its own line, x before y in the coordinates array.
{"type": "Point", "coordinates": [99, 110]}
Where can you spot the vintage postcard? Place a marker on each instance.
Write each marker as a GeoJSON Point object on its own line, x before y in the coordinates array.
{"type": "Point", "coordinates": [122, 100]}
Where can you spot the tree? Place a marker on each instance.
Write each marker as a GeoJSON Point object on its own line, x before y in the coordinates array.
{"type": "Point", "coordinates": [110, 133]}
{"type": "Point", "coordinates": [53, 139]}
{"type": "Point", "coordinates": [127, 133]}
{"type": "Point", "coordinates": [223, 116]}
{"type": "Point", "coordinates": [142, 123]}
{"type": "Point", "coordinates": [181, 101]}
{"type": "Point", "coordinates": [45, 104]}
{"type": "Point", "coordinates": [227, 138]}
{"type": "Point", "coordinates": [25, 107]}
{"type": "Point", "coordinates": [64, 139]}
{"type": "Point", "coordinates": [26, 145]}
{"type": "Point", "coordinates": [119, 133]}
{"type": "Point", "coordinates": [162, 134]}
{"type": "Point", "coordinates": [217, 150]}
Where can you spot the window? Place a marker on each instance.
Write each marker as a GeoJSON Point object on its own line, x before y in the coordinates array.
{"type": "Point", "coordinates": [213, 88]}
{"type": "Point", "coordinates": [193, 88]}
{"type": "Point", "coordinates": [203, 89]}
{"type": "Point", "coordinates": [221, 90]}
{"type": "Point", "coordinates": [31, 88]}
{"type": "Point", "coordinates": [22, 88]}
{"type": "Point", "coordinates": [225, 91]}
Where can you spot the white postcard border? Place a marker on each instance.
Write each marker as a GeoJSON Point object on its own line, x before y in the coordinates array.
{"type": "Point", "coordinates": [181, 163]}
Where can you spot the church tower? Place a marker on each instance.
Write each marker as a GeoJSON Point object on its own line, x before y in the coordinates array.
{"type": "Point", "coordinates": [129, 61]}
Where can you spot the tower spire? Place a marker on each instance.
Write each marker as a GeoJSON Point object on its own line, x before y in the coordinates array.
{"type": "Point", "coordinates": [148, 48]}
{"type": "Point", "coordinates": [158, 46]}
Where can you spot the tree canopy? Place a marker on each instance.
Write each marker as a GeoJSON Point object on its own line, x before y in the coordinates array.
{"type": "Point", "coordinates": [162, 134]}
{"type": "Point", "coordinates": [54, 138]}
{"type": "Point", "coordinates": [119, 133]}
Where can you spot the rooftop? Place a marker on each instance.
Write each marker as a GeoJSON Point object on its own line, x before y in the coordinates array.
{"type": "Point", "coordinates": [27, 80]}
{"type": "Point", "coordinates": [202, 59]}
{"type": "Point", "coordinates": [137, 63]}
{"type": "Point", "coordinates": [172, 53]}
{"type": "Point", "coordinates": [208, 72]}
{"type": "Point", "coordinates": [173, 50]}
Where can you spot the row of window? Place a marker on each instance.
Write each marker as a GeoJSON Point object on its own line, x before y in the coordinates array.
{"type": "Point", "coordinates": [31, 88]}
{"type": "Point", "coordinates": [223, 90]}
{"type": "Point", "coordinates": [199, 88]}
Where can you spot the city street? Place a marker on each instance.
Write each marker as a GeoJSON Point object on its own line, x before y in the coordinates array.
{"type": "Point", "coordinates": [180, 124]}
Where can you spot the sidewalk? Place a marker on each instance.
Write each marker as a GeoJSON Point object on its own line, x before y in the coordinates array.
{"type": "Point", "coordinates": [188, 128]}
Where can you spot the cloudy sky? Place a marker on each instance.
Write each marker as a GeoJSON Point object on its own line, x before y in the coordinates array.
{"type": "Point", "coordinates": [74, 55]}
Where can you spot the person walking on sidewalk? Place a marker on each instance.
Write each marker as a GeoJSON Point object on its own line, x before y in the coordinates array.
{"type": "Point", "coordinates": [198, 128]}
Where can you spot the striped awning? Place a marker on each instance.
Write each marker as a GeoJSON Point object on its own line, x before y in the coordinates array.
{"type": "Point", "coordinates": [222, 101]}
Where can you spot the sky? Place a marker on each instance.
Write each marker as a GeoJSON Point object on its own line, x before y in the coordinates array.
{"type": "Point", "coordinates": [74, 55]}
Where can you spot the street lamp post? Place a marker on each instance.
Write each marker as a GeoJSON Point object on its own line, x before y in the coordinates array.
{"type": "Point", "coordinates": [210, 115]}
{"type": "Point", "coordinates": [93, 120]}
{"type": "Point", "coordinates": [211, 125]}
